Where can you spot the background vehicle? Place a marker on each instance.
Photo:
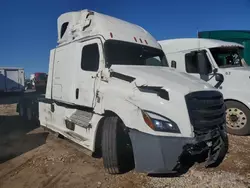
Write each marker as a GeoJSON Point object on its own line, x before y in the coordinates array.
{"type": "Point", "coordinates": [220, 64]}
{"type": "Point", "coordinates": [11, 79]}
{"type": "Point", "coordinates": [39, 81]}
{"type": "Point", "coordinates": [118, 105]}
{"type": "Point", "coordinates": [238, 36]}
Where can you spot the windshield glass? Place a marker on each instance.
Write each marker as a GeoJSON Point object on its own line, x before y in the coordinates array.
{"type": "Point", "coordinates": [227, 57]}
{"type": "Point", "coordinates": [126, 53]}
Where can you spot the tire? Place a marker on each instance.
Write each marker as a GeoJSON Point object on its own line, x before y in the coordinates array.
{"type": "Point", "coordinates": [116, 147]}
{"type": "Point", "coordinates": [22, 111]}
{"type": "Point", "coordinates": [241, 125]}
{"type": "Point", "coordinates": [29, 114]}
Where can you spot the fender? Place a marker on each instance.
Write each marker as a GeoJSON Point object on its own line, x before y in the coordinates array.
{"type": "Point", "coordinates": [129, 107]}
{"type": "Point", "coordinates": [126, 110]}
{"type": "Point", "coordinates": [243, 97]}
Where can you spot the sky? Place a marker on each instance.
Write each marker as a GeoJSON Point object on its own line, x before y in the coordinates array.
{"type": "Point", "coordinates": [28, 28]}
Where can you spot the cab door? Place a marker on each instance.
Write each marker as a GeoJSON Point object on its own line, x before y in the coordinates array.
{"type": "Point", "coordinates": [90, 60]}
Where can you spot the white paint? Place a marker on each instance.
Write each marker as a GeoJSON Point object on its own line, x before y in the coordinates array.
{"type": "Point", "coordinates": [190, 44]}
{"type": "Point", "coordinates": [236, 79]}
{"type": "Point", "coordinates": [100, 91]}
{"type": "Point", "coordinates": [103, 25]}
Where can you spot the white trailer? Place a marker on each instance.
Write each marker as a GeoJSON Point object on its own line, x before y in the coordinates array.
{"type": "Point", "coordinates": [12, 79]}
{"type": "Point", "coordinates": [220, 64]}
{"type": "Point", "coordinates": [109, 90]}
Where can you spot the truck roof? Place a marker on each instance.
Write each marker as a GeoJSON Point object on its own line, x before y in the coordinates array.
{"type": "Point", "coordinates": [82, 24]}
{"type": "Point", "coordinates": [12, 68]}
{"type": "Point", "coordinates": [173, 45]}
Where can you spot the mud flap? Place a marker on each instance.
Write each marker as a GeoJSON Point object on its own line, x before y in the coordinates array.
{"type": "Point", "coordinates": [17, 107]}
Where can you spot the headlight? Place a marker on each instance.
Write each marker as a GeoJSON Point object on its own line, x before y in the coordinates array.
{"type": "Point", "coordinates": [159, 123]}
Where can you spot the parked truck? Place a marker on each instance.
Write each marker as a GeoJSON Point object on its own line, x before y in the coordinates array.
{"type": "Point", "coordinates": [220, 64]}
{"type": "Point", "coordinates": [11, 79]}
{"type": "Point", "coordinates": [104, 94]}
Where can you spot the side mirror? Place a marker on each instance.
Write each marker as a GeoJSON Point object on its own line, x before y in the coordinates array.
{"type": "Point", "coordinates": [202, 63]}
{"type": "Point", "coordinates": [173, 64]}
{"type": "Point", "coordinates": [219, 77]}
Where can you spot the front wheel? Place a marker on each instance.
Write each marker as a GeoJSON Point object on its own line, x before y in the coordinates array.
{"type": "Point", "coordinates": [116, 147]}
{"type": "Point", "coordinates": [237, 118]}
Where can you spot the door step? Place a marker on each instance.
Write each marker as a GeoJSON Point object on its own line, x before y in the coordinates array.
{"type": "Point", "coordinates": [81, 118]}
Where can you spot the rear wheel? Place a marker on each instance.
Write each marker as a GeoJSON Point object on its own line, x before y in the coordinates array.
{"type": "Point", "coordinates": [22, 111]}
{"type": "Point", "coordinates": [29, 114]}
{"type": "Point", "coordinates": [237, 118]}
{"type": "Point", "coordinates": [116, 147]}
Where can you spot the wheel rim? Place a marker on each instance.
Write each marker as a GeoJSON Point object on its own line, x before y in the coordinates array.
{"type": "Point", "coordinates": [29, 114]}
{"type": "Point", "coordinates": [236, 118]}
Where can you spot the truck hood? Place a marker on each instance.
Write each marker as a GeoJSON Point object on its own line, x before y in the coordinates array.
{"type": "Point", "coordinates": [165, 77]}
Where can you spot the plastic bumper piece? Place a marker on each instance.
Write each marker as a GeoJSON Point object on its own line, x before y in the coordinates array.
{"type": "Point", "coordinates": [161, 154]}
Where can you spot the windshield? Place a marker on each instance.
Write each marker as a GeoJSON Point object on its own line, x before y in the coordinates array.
{"type": "Point", "coordinates": [126, 53]}
{"type": "Point", "coordinates": [228, 57]}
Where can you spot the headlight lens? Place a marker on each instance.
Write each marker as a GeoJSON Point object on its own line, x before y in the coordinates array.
{"type": "Point", "coordinates": [159, 123]}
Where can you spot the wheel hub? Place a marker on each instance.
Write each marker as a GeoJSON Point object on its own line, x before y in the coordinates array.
{"type": "Point", "coordinates": [233, 118]}
{"type": "Point", "coordinates": [236, 118]}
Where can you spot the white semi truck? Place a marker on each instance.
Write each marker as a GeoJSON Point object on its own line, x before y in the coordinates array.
{"type": "Point", "coordinates": [103, 94]}
{"type": "Point", "coordinates": [220, 64]}
{"type": "Point", "coordinates": [12, 80]}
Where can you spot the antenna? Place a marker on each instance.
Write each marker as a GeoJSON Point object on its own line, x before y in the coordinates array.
{"type": "Point", "coordinates": [199, 45]}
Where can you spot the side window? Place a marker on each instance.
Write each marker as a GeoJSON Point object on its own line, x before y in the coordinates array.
{"type": "Point", "coordinates": [90, 57]}
{"type": "Point", "coordinates": [192, 64]}
{"type": "Point", "coordinates": [64, 28]}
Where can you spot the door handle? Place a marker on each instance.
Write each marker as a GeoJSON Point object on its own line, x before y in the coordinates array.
{"type": "Point", "coordinates": [77, 93]}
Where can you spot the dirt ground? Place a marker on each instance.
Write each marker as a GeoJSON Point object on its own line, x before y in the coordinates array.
{"type": "Point", "coordinates": [31, 157]}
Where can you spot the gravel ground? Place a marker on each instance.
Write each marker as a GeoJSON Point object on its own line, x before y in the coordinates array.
{"type": "Point", "coordinates": [30, 157]}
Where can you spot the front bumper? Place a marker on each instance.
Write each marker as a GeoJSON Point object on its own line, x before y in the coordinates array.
{"type": "Point", "coordinates": [161, 154]}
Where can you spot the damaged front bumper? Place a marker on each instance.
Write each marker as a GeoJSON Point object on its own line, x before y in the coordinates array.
{"type": "Point", "coordinates": [161, 154]}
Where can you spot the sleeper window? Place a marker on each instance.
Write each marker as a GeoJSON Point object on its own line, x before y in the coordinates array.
{"type": "Point", "coordinates": [90, 58]}
{"type": "Point", "coordinates": [64, 28]}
